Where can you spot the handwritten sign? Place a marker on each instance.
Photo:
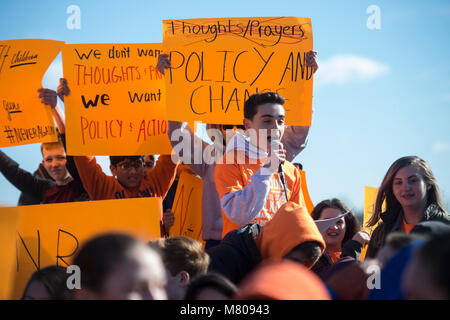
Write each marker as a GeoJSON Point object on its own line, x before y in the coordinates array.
{"type": "Point", "coordinates": [218, 63]}
{"type": "Point", "coordinates": [9, 221]}
{"type": "Point", "coordinates": [370, 196]}
{"type": "Point", "coordinates": [52, 234]}
{"type": "Point", "coordinates": [187, 207]}
{"type": "Point", "coordinates": [308, 202]}
{"type": "Point", "coordinates": [117, 101]}
{"type": "Point", "coordinates": [23, 118]}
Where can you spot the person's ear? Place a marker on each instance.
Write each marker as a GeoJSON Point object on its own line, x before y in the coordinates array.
{"type": "Point", "coordinates": [429, 186]}
{"type": "Point", "coordinates": [113, 170]}
{"type": "Point", "coordinates": [184, 278]}
{"type": "Point", "coordinates": [246, 124]}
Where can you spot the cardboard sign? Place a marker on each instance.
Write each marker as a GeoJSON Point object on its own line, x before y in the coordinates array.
{"type": "Point", "coordinates": [117, 103]}
{"type": "Point", "coordinates": [370, 196]}
{"type": "Point", "coordinates": [9, 222]}
{"type": "Point", "coordinates": [23, 118]}
{"type": "Point", "coordinates": [308, 202]}
{"type": "Point", "coordinates": [217, 63]}
{"type": "Point", "coordinates": [187, 207]}
{"type": "Point", "coordinates": [52, 234]}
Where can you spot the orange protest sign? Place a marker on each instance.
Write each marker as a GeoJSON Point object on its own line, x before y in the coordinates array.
{"type": "Point", "coordinates": [52, 234]}
{"type": "Point", "coordinates": [9, 221]}
{"type": "Point", "coordinates": [24, 119]}
{"type": "Point", "coordinates": [187, 207]}
{"type": "Point", "coordinates": [217, 63]}
{"type": "Point", "coordinates": [117, 104]}
{"type": "Point", "coordinates": [308, 202]}
{"type": "Point", "coordinates": [370, 196]}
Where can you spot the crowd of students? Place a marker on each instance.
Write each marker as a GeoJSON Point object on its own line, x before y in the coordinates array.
{"type": "Point", "coordinates": [260, 240]}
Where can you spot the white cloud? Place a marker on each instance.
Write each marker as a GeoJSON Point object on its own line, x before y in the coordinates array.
{"type": "Point", "coordinates": [440, 146]}
{"type": "Point", "coordinates": [342, 69]}
{"type": "Point", "coordinates": [53, 73]}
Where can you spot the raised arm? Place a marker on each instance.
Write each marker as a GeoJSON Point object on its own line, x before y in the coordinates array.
{"type": "Point", "coordinates": [22, 179]}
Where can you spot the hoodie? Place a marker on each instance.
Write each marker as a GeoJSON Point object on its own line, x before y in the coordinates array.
{"type": "Point", "coordinates": [248, 194]}
{"type": "Point", "coordinates": [291, 226]}
{"type": "Point", "coordinates": [243, 249]}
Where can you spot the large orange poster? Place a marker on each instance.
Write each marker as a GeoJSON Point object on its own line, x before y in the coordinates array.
{"type": "Point", "coordinates": [23, 118]}
{"type": "Point", "coordinates": [217, 63]}
{"type": "Point", "coordinates": [117, 103]}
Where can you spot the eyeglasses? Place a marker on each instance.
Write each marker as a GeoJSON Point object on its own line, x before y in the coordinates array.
{"type": "Point", "coordinates": [127, 165]}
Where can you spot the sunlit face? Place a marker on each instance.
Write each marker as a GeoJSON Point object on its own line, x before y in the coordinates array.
{"type": "Point", "coordinates": [129, 173]}
{"type": "Point", "coordinates": [54, 161]}
{"type": "Point", "coordinates": [334, 235]}
{"type": "Point", "coordinates": [268, 124]}
{"type": "Point", "coordinates": [140, 276]}
{"type": "Point", "coordinates": [36, 291]}
{"type": "Point", "coordinates": [410, 188]}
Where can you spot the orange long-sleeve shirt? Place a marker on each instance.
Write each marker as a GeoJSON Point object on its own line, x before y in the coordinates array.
{"type": "Point", "coordinates": [100, 186]}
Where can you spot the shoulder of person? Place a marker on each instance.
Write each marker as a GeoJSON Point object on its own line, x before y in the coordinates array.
{"type": "Point", "coordinates": [433, 212]}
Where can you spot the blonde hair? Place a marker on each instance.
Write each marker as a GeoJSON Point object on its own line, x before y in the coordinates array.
{"type": "Point", "coordinates": [50, 146]}
{"type": "Point", "coordinates": [385, 192]}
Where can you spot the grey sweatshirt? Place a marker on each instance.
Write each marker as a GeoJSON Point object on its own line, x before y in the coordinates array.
{"type": "Point", "coordinates": [294, 141]}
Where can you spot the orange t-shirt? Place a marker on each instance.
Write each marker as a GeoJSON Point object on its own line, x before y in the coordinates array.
{"type": "Point", "coordinates": [407, 227]}
{"type": "Point", "coordinates": [233, 177]}
{"type": "Point", "coordinates": [334, 255]}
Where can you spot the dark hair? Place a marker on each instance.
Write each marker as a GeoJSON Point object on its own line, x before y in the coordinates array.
{"type": "Point", "coordinates": [435, 257]}
{"type": "Point", "coordinates": [54, 279]}
{"type": "Point", "coordinates": [117, 159]}
{"type": "Point", "coordinates": [257, 99]}
{"type": "Point", "coordinates": [398, 240]}
{"type": "Point", "coordinates": [211, 280]}
{"type": "Point", "coordinates": [98, 257]}
{"type": "Point", "coordinates": [181, 253]}
{"type": "Point", "coordinates": [351, 223]}
{"type": "Point", "coordinates": [311, 252]}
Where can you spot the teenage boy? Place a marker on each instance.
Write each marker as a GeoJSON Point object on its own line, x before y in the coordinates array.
{"type": "Point", "coordinates": [248, 178]}
{"type": "Point", "coordinates": [64, 187]}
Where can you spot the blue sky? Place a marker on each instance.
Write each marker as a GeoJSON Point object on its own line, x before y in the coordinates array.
{"type": "Point", "coordinates": [378, 95]}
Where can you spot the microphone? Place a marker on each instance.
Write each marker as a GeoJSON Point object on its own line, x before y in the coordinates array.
{"type": "Point", "coordinates": [283, 181]}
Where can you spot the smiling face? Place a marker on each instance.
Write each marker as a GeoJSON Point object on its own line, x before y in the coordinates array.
{"type": "Point", "coordinates": [54, 161]}
{"type": "Point", "coordinates": [409, 187]}
{"type": "Point", "coordinates": [129, 172]}
{"type": "Point", "coordinates": [334, 235]}
{"type": "Point", "coordinates": [268, 123]}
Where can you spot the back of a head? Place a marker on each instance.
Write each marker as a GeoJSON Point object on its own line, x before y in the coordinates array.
{"type": "Point", "coordinates": [434, 259]}
{"type": "Point", "coordinates": [184, 254]}
{"type": "Point", "coordinates": [214, 283]}
{"type": "Point", "coordinates": [98, 257]}
{"type": "Point", "coordinates": [431, 229]}
{"type": "Point", "coordinates": [291, 226]}
{"type": "Point", "coordinates": [284, 280]}
{"type": "Point", "coordinates": [257, 99]}
{"type": "Point", "coordinates": [53, 279]}
{"type": "Point", "coordinates": [395, 241]}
